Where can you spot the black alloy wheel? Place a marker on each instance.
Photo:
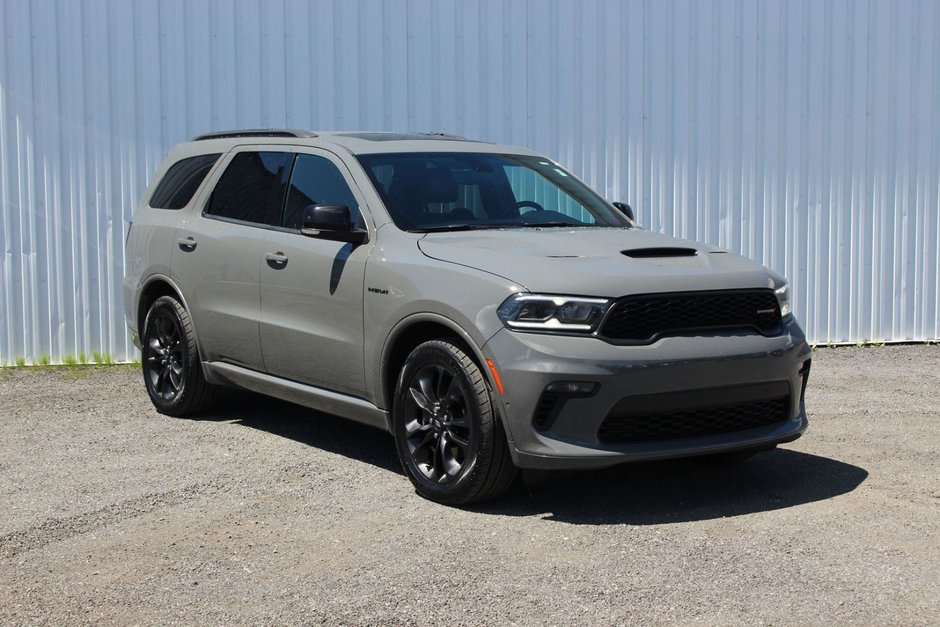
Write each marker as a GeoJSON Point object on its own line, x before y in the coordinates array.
{"type": "Point", "coordinates": [163, 356]}
{"type": "Point", "coordinates": [170, 361]}
{"type": "Point", "coordinates": [437, 427]}
{"type": "Point", "coordinates": [447, 429]}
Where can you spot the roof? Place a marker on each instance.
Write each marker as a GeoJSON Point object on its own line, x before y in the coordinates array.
{"type": "Point", "coordinates": [354, 142]}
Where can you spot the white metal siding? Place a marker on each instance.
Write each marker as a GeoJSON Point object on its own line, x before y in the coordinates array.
{"type": "Point", "coordinates": [805, 134]}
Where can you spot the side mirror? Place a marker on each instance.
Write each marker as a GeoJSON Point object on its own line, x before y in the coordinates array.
{"type": "Point", "coordinates": [330, 222]}
{"type": "Point", "coordinates": [625, 210]}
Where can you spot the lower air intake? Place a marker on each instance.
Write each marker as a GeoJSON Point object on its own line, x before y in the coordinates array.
{"type": "Point", "coordinates": [643, 419]}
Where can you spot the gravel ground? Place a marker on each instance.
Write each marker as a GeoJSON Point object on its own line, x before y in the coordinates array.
{"type": "Point", "coordinates": [267, 513]}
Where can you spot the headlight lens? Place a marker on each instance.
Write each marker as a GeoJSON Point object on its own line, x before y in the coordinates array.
{"type": "Point", "coordinates": [540, 312]}
{"type": "Point", "coordinates": [783, 299]}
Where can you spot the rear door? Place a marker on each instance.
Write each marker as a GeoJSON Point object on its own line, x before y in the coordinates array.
{"type": "Point", "coordinates": [218, 255]}
{"type": "Point", "coordinates": [312, 289]}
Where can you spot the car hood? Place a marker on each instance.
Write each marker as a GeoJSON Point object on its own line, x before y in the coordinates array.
{"type": "Point", "coordinates": [596, 262]}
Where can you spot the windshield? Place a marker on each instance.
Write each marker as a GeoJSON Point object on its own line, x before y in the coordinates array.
{"type": "Point", "coordinates": [449, 191]}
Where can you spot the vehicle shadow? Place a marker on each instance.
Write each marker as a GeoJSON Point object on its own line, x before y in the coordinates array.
{"type": "Point", "coordinates": [684, 490]}
{"type": "Point", "coordinates": [645, 493]}
{"type": "Point", "coordinates": [307, 426]}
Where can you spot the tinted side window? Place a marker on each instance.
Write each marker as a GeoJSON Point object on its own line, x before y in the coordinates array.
{"type": "Point", "coordinates": [316, 181]}
{"type": "Point", "coordinates": [251, 188]}
{"type": "Point", "coordinates": [181, 181]}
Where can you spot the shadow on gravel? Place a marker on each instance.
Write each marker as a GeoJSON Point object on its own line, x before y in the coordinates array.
{"type": "Point", "coordinates": [639, 494]}
{"type": "Point", "coordinates": [307, 426]}
{"type": "Point", "coordinates": [682, 490]}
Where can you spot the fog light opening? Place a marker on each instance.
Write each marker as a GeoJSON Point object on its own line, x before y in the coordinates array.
{"type": "Point", "coordinates": [804, 375]}
{"type": "Point", "coordinates": [572, 388]}
{"type": "Point", "coordinates": [554, 397]}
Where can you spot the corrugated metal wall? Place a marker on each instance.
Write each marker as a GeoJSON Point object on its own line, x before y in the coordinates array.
{"type": "Point", "coordinates": [805, 134]}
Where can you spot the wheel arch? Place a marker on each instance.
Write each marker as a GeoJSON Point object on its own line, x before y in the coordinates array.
{"type": "Point", "coordinates": [415, 330]}
{"type": "Point", "coordinates": [155, 287]}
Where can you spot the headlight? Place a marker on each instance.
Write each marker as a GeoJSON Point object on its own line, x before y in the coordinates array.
{"type": "Point", "coordinates": [783, 299]}
{"type": "Point", "coordinates": [539, 312]}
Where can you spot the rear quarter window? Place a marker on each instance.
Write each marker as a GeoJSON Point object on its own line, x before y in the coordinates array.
{"type": "Point", "coordinates": [181, 181]}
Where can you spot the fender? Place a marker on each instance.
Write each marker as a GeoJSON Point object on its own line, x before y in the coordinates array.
{"type": "Point", "coordinates": [403, 325]}
{"type": "Point", "coordinates": [153, 278]}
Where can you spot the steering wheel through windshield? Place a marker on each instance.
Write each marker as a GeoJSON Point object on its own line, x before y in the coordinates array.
{"type": "Point", "coordinates": [529, 203]}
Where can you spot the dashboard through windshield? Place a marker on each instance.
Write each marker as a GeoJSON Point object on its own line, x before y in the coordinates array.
{"type": "Point", "coordinates": [446, 191]}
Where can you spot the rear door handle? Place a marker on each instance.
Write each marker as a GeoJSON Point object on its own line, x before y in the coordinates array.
{"type": "Point", "coordinates": [276, 260]}
{"type": "Point", "coordinates": [187, 243]}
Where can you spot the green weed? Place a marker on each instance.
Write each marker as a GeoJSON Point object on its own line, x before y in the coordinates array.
{"type": "Point", "coordinates": [102, 359]}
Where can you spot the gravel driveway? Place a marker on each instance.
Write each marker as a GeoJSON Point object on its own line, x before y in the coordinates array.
{"type": "Point", "coordinates": [267, 513]}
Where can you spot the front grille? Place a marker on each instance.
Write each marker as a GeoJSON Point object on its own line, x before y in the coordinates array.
{"type": "Point", "coordinates": [643, 318]}
{"type": "Point", "coordinates": [629, 428]}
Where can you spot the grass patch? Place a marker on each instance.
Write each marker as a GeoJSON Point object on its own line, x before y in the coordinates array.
{"type": "Point", "coordinates": [103, 359]}
{"type": "Point", "coordinates": [859, 344]}
{"type": "Point", "coordinates": [81, 362]}
{"type": "Point", "coordinates": [133, 366]}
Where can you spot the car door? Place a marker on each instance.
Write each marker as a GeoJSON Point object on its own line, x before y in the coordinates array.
{"type": "Point", "coordinates": [312, 289]}
{"type": "Point", "coordinates": [218, 255]}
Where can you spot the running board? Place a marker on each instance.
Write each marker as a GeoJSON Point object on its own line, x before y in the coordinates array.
{"type": "Point", "coordinates": [309, 396]}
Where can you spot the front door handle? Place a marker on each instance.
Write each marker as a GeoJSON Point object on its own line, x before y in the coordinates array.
{"type": "Point", "coordinates": [187, 243]}
{"type": "Point", "coordinates": [276, 260]}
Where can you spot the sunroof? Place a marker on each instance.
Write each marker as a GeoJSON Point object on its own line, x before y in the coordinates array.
{"type": "Point", "coordinates": [394, 137]}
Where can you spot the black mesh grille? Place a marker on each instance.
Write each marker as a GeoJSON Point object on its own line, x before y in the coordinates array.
{"type": "Point", "coordinates": [645, 317]}
{"type": "Point", "coordinates": [625, 428]}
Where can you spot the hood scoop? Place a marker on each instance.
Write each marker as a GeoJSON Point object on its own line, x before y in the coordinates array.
{"type": "Point", "coordinates": [658, 253]}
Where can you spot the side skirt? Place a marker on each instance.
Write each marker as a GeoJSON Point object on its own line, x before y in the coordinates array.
{"type": "Point", "coordinates": [343, 405]}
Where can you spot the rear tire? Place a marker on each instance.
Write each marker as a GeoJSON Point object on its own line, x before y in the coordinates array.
{"type": "Point", "coordinates": [447, 430]}
{"type": "Point", "coordinates": [170, 361]}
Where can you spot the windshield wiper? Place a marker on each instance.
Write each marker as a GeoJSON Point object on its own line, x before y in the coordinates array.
{"type": "Point", "coordinates": [557, 223]}
{"type": "Point", "coordinates": [440, 228]}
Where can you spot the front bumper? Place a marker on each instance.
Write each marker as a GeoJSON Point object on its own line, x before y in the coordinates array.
{"type": "Point", "coordinates": [683, 368]}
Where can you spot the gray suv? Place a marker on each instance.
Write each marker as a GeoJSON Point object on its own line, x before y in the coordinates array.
{"type": "Point", "coordinates": [477, 301]}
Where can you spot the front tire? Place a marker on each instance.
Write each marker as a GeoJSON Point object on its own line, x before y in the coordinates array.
{"type": "Point", "coordinates": [447, 431]}
{"type": "Point", "coordinates": [170, 361]}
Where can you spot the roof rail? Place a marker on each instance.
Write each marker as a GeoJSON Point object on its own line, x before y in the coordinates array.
{"type": "Point", "coordinates": [257, 132]}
